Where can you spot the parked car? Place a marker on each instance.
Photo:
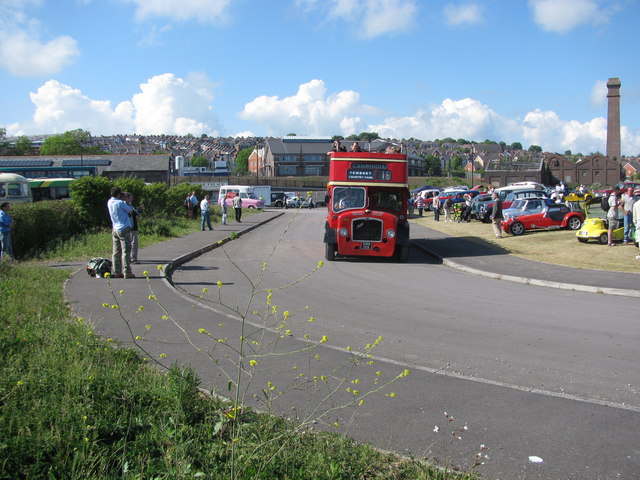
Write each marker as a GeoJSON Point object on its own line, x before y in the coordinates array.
{"type": "Point", "coordinates": [596, 226]}
{"type": "Point", "coordinates": [526, 206]}
{"type": "Point", "coordinates": [598, 229]}
{"type": "Point", "coordinates": [556, 216]}
{"type": "Point", "coordinates": [456, 196]}
{"type": "Point", "coordinates": [278, 199]}
{"type": "Point", "coordinates": [478, 203]}
{"type": "Point", "coordinates": [295, 201]}
{"type": "Point", "coordinates": [605, 192]}
{"type": "Point", "coordinates": [507, 195]}
{"type": "Point", "coordinates": [427, 196]}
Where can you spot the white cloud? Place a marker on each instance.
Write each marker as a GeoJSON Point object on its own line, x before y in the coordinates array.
{"type": "Point", "coordinates": [22, 50]}
{"type": "Point", "coordinates": [598, 97]}
{"type": "Point", "coordinates": [466, 118]}
{"type": "Point", "coordinates": [462, 14]}
{"type": "Point", "coordinates": [367, 18]}
{"type": "Point", "coordinates": [309, 112]}
{"type": "Point", "coordinates": [165, 105]}
{"type": "Point", "coordinates": [205, 11]}
{"type": "Point", "coordinates": [561, 16]}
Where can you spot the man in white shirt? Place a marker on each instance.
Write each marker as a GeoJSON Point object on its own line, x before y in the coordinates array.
{"type": "Point", "coordinates": [204, 212]}
{"type": "Point", "coordinates": [121, 234]}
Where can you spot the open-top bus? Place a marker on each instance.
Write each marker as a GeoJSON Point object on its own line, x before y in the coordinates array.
{"type": "Point", "coordinates": [367, 209]}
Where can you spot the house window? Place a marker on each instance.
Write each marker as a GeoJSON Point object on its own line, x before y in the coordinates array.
{"type": "Point", "coordinates": [312, 169]}
{"type": "Point", "coordinates": [289, 158]}
{"type": "Point", "coordinates": [285, 170]}
{"type": "Point", "coordinates": [314, 158]}
{"type": "Point", "coordinates": [596, 173]}
{"type": "Point", "coordinates": [583, 173]}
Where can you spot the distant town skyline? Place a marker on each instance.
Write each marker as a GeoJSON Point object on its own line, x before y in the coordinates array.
{"type": "Point", "coordinates": [531, 72]}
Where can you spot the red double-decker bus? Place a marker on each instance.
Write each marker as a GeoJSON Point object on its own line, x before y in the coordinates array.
{"type": "Point", "coordinates": [367, 209]}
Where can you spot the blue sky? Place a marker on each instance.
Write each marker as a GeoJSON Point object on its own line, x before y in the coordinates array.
{"type": "Point", "coordinates": [529, 71]}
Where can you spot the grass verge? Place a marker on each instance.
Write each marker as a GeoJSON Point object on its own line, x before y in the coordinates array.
{"type": "Point", "coordinates": [559, 247]}
{"type": "Point", "coordinates": [73, 405]}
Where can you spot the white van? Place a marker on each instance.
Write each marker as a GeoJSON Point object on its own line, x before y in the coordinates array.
{"type": "Point", "coordinates": [14, 188]}
{"type": "Point", "coordinates": [247, 194]}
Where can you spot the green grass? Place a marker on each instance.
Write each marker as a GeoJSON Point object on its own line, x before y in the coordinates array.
{"type": "Point", "coordinates": [76, 406]}
{"type": "Point", "coordinates": [552, 246]}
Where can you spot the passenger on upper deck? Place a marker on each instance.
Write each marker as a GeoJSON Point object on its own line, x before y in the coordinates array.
{"type": "Point", "coordinates": [392, 149]}
{"type": "Point", "coordinates": [337, 147]}
{"type": "Point", "coordinates": [355, 147]}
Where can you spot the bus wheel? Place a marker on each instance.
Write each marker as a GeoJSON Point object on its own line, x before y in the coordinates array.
{"type": "Point", "coordinates": [402, 252]}
{"type": "Point", "coordinates": [330, 251]}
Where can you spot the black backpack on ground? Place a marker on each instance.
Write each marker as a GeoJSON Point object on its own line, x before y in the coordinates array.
{"type": "Point", "coordinates": [97, 267]}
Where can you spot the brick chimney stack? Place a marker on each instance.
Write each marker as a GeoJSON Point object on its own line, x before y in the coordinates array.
{"type": "Point", "coordinates": [613, 118]}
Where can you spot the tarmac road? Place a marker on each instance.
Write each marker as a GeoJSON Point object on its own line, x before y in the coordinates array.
{"type": "Point", "coordinates": [531, 371]}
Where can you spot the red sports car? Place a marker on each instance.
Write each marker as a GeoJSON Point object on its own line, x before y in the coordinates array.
{"type": "Point", "coordinates": [553, 217]}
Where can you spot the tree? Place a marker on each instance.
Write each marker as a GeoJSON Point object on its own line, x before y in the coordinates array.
{"type": "Point", "coordinates": [90, 195]}
{"type": "Point", "coordinates": [73, 142]}
{"type": "Point", "coordinates": [535, 148]}
{"type": "Point", "coordinates": [567, 152]}
{"type": "Point", "coordinates": [456, 163]}
{"type": "Point", "coordinates": [432, 165]}
{"type": "Point", "coordinates": [367, 136]}
{"type": "Point", "coordinates": [23, 145]}
{"type": "Point", "coordinates": [199, 161]}
{"type": "Point", "coordinates": [242, 160]}
{"type": "Point", "coordinates": [516, 146]}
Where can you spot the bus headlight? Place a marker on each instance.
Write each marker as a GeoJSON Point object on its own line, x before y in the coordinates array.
{"type": "Point", "coordinates": [344, 232]}
{"type": "Point", "coordinates": [391, 233]}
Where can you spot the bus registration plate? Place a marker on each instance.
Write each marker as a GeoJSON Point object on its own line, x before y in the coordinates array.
{"type": "Point", "coordinates": [366, 246]}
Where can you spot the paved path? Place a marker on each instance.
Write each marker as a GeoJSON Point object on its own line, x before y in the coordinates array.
{"type": "Point", "coordinates": [87, 295]}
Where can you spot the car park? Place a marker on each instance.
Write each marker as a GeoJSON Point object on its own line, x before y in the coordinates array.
{"type": "Point", "coordinates": [554, 217]}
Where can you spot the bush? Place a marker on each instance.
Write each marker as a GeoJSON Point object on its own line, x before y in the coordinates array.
{"type": "Point", "coordinates": [40, 224]}
{"type": "Point", "coordinates": [156, 226]}
{"type": "Point", "coordinates": [131, 184]}
{"type": "Point", "coordinates": [177, 194]}
{"type": "Point", "coordinates": [154, 198]}
{"type": "Point", "coordinates": [90, 195]}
